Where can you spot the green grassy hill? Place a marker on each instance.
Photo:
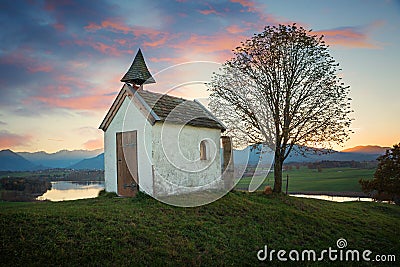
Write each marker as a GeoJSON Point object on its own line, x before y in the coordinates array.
{"type": "Point", "coordinates": [329, 179]}
{"type": "Point", "coordinates": [142, 231]}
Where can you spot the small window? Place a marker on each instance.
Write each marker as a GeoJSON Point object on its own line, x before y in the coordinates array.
{"type": "Point", "coordinates": [203, 150]}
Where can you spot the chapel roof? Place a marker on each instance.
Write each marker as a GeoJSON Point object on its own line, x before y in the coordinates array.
{"type": "Point", "coordinates": [138, 72]}
{"type": "Point", "coordinates": [164, 108]}
{"type": "Point", "coordinates": [178, 110]}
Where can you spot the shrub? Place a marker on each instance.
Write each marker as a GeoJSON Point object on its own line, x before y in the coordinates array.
{"type": "Point", "coordinates": [386, 182]}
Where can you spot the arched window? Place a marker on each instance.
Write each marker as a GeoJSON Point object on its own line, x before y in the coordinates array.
{"type": "Point", "coordinates": [203, 150]}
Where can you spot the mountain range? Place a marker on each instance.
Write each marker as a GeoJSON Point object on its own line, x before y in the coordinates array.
{"type": "Point", "coordinates": [367, 149]}
{"type": "Point", "coordinates": [28, 161]}
{"type": "Point", "coordinates": [94, 159]}
{"type": "Point", "coordinates": [359, 153]}
{"type": "Point", "coordinates": [60, 159]}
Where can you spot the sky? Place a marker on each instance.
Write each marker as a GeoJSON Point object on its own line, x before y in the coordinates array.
{"type": "Point", "coordinates": [61, 61]}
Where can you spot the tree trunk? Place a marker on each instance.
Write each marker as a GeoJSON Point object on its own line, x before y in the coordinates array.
{"type": "Point", "coordinates": [278, 162]}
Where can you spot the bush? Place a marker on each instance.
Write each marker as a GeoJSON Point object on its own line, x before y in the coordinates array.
{"type": "Point", "coordinates": [386, 182]}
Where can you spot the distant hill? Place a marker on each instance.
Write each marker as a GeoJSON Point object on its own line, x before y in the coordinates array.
{"type": "Point", "coordinates": [367, 149]}
{"type": "Point", "coordinates": [334, 156]}
{"type": "Point", "coordinates": [95, 163]}
{"type": "Point", "coordinates": [371, 153]}
{"type": "Point", "coordinates": [60, 159]}
{"type": "Point", "coordinates": [11, 161]}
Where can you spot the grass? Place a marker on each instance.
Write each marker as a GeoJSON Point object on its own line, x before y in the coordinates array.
{"type": "Point", "coordinates": [109, 231]}
{"type": "Point", "coordinates": [330, 179]}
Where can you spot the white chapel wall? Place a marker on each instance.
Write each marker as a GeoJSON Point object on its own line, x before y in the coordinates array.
{"type": "Point", "coordinates": [176, 157]}
{"type": "Point", "coordinates": [129, 118]}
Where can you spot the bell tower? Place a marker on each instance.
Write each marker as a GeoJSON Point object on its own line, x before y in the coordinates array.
{"type": "Point", "coordinates": [138, 74]}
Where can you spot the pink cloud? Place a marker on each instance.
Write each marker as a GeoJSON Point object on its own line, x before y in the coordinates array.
{"type": "Point", "coordinates": [52, 90]}
{"type": "Point", "coordinates": [89, 102]}
{"type": "Point", "coordinates": [210, 43]}
{"type": "Point", "coordinates": [93, 27]}
{"type": "Point", "coordinates": [25, 57]}
{"type": "Point", "coordinates": [72, 81]}
{"type": "Point", "coordinates": [94, 144]}
{"type": "Point", "coordinates": [121, 41]}
{"type": "Point", "coordinates": [164, 59]}
{"type": "Point", "coordinates": [104, 48]}
{"type": "Point", "coordinates": [250, 5]}
{"type": "Point", "coordinates": [208, 11]}
{"type": "Point", "coordinates": [117, 26]}
{"type": "Point", "coordinates": [235, 29]}
{"type": "Point", "coordinates": [149, 36]}
{"type": "Point", "coordinates": [156, 43]}
{"type": "Point", "coordinates": [49, 6]}
{"type": "Point", "coordinates": [9, 140]}
{"type": "Point", "coordinates": [39, 68]}
{"type": "Point", "coordinates": [347, 37]}
{"type": "Point", "coordinates": [59, 27]}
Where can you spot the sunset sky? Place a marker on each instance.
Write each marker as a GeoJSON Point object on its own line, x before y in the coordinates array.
{"type": "Point", "coordinates": [61, 61]}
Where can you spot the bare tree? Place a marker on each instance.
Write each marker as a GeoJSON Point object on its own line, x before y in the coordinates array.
{"type": "Point", "coordinates": [282, 90]}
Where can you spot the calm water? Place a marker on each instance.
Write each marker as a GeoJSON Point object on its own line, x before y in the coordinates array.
{"type": "Point", "coordinates": [334, 198]}
{"type": "Point", "coordinates": [65, 190]}
{"type": "Point", "coordinates": [71, 190]}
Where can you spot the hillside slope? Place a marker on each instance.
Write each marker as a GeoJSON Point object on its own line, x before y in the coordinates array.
{"type": "Point", "coordinates": [95, 163]}
{"type": "Point", "coordinates": [229, 232]}
{"type": "Point", "coordinates": [11, 161]}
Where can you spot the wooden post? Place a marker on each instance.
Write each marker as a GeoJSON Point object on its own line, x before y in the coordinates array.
{"type": "Point", "coordinates": [228, 167]}
{"type": "Point", "coordinates": [287, 183]}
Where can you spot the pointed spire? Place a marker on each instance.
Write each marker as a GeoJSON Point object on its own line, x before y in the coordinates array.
{"type": "Point", "coordinates": [138, 73]}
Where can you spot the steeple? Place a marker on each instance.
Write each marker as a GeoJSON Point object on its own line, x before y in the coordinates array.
{"type": "Point", "coordinates": [138, 73]}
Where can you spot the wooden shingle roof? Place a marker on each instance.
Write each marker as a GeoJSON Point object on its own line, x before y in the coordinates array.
{"type": "Point", "coordinates": [164, 108]}
{"type": "Point", "coordinates": [138, 73]}
{"type": "Point", "coordinates": [178, 110]}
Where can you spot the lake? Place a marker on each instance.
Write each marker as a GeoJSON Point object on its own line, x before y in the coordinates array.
{"type": "Point", "coordinates": [70, 190]}
{"type": "Point", "coordinates": [334, 198]}
{"type": "Point", "coordinates": [31, 190]}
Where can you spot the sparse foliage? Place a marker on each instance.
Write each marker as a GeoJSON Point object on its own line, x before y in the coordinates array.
{"type": "Point", "coordinates": [386, 182]}
{"type": "Point", "coordinates": [282, 90]}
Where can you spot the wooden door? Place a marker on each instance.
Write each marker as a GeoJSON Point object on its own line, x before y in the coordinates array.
{"type": "Point", "coordinates": [127, 164]}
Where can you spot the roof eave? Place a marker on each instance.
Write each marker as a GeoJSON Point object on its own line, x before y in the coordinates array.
{"type": "Point", "coordinates": [223, 127]}
{"type": "Point", "coordinates": [113, 110]}
{"type": "Point", "coordinates": [128, 91]}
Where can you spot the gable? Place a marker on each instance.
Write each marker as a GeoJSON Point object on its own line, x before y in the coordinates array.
{"type": "Point", "coordinates": [128, 91]}
{"type": "Point", "coordinates": [162, 107]}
